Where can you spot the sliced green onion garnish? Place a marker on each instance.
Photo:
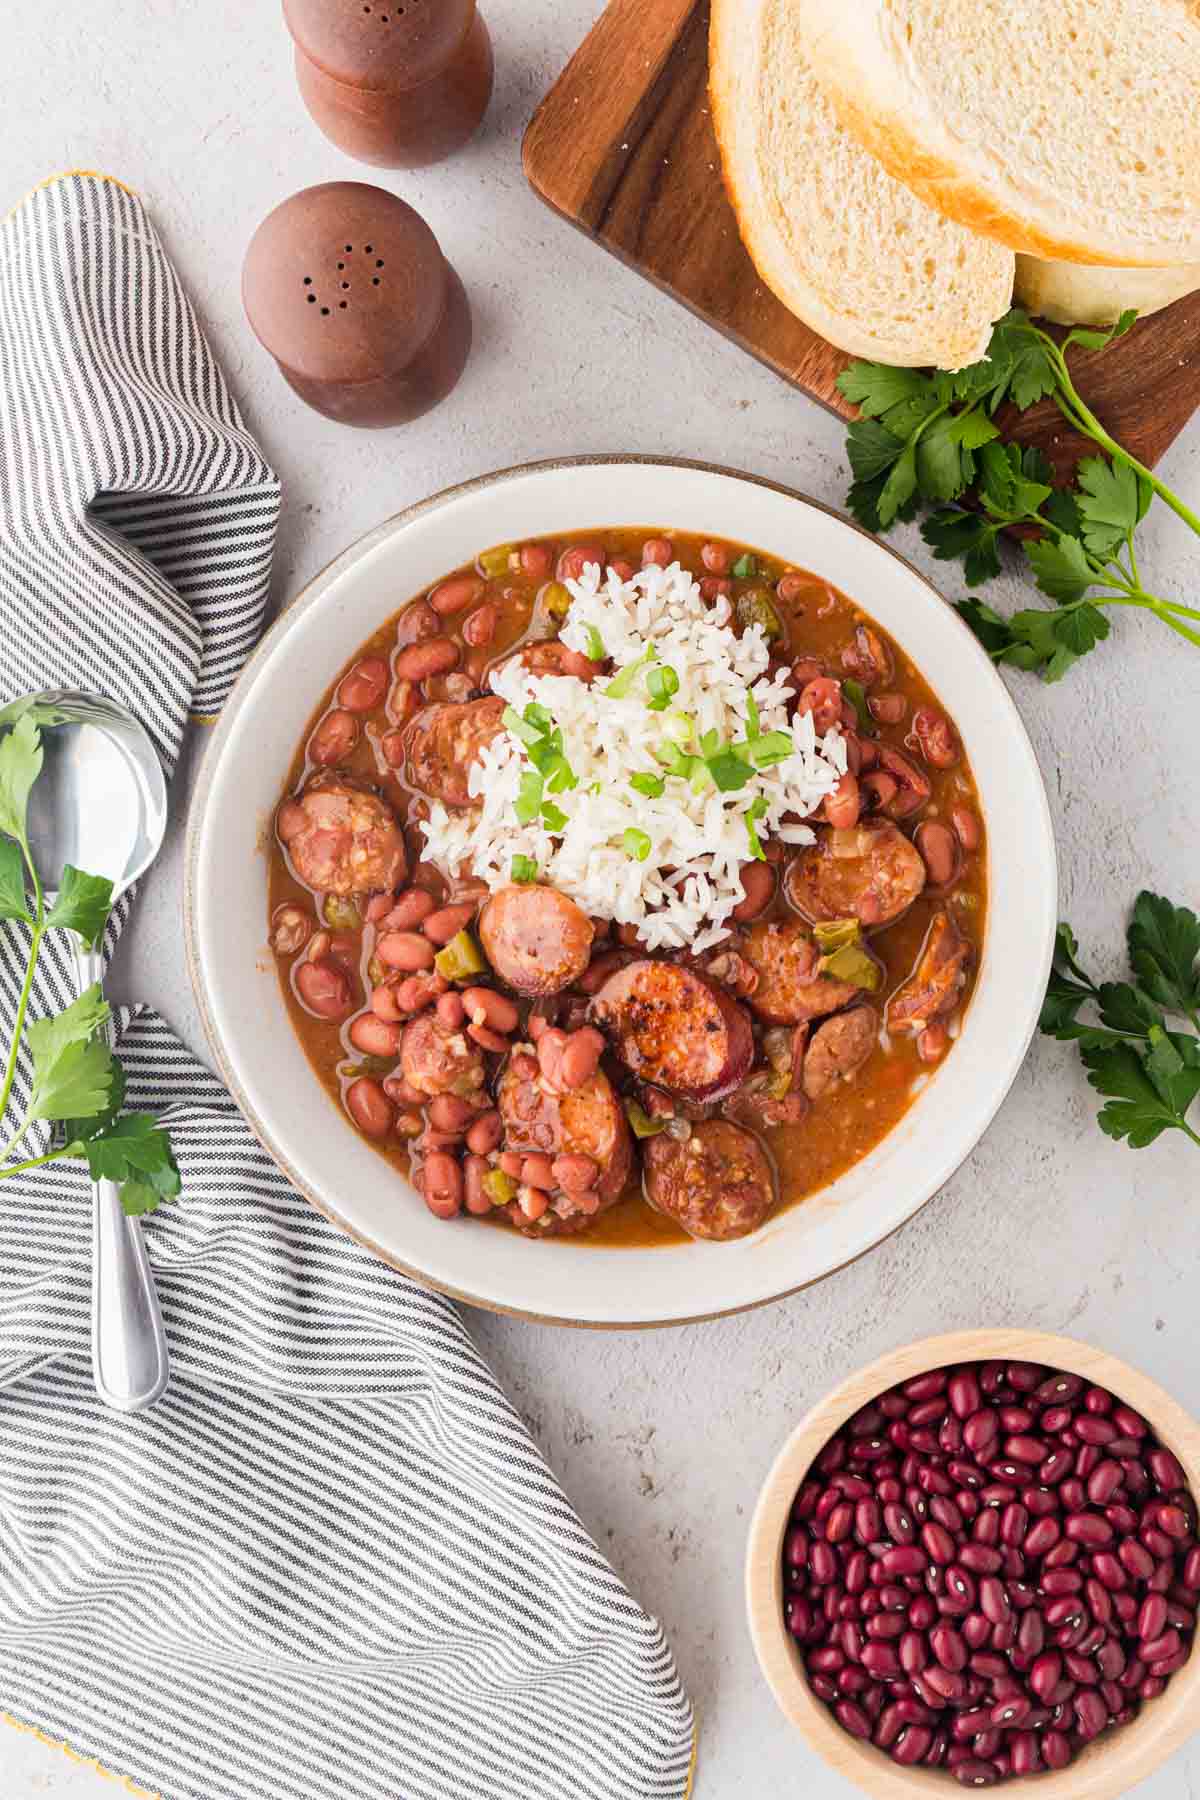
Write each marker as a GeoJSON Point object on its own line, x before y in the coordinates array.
{"type": "Point", "coordinates": [622, 685]}
{"type": "Point", "coordinates": [699, 775]}
{"type": "Point", "coordinates": [710, 743]}
{"type": "Point", "coordinates": [528, 803]}
{"type": "Point", "coordinates": [553, 817]}
{"type": "Point", "coordinates": [678, 727]}
{"type": "Point", "coordinates": [636, 844]}
{"type": "Point", "coordinates": [650, 785]}
{"type": "Point", "coordinates": [745, 566]}
{"type": "Point", "coordinates": [774, 747]}
{"type": "Point", "coordinates": [528, 732]}
{"type": "Point", "coordinates": [523, 869]}
{"type": "Point", "coordinates": [662, 684]}
{"type": "Point", "coordinates": [595, 644]}
{"type": "Point", "coordinates": [752, 725]}
{"type": "Point", "coordinates": [757, 808]}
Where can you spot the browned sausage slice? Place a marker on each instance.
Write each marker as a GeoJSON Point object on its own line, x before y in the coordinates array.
{"type": "Point", "coordinates": [536, 939]}
{"type": "Point", "coordinates": [436, 1059]}
{"type": "Point", "coordinates": [936, 982]}
{"type": "Point", "coordinates": [672, 1026]}
{"type": "Point", "coordinates": [789, 989]}
{"type": "Point", "coordinates": [342, 839]}
{"type": "Point", "coordinates": [441, 742]}
{"type": "Point", "coordinates": [718, 1183]}
{"type": "Point", "coordinates": [838, 1050]}
{"type": "Point", "coordinates": [584, 1121]}
{"type": "Point", "coordinates": [550, 657]}
{"type": "Point", "coordinates": [870, 873]}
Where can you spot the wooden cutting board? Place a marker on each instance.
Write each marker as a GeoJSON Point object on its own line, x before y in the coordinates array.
{"type": "Point", "coordinates": [623, 147]}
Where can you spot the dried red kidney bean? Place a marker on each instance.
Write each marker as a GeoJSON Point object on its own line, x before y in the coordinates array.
{"type": "Point", "coordinates": [1010, 1570]}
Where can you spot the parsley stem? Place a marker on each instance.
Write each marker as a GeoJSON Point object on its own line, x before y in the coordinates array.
{"type": "Point", "coordinates": [34, 1162]}
{"type": "Point", "coordinates": [1076, 412]}
{"type": "Point", "coordinates": [35, 944]}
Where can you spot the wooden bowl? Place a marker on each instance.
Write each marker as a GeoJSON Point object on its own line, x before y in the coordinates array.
{"type": "Point", "coordinates": [1109, 1766]}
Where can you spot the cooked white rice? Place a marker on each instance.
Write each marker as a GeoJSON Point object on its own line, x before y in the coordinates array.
{"type": "Point", "coordinates": [701, 837]}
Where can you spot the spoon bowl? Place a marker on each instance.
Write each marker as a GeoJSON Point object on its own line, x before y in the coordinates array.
{"type": "Point", "coordinates": [100, 802]}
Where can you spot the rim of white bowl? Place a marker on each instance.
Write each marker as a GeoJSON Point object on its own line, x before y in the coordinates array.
{"type": "Point", "coordinates": [609, 1306]}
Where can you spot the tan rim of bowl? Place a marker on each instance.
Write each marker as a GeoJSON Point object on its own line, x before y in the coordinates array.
{"type": "Point", "coordinates": [1110, 1766]}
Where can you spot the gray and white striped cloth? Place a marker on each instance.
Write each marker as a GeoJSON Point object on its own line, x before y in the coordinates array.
{"type": "Point", "coordinates": [330, 1564]}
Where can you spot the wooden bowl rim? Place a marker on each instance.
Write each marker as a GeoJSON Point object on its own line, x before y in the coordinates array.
{"type": "Point", "coordinates": [1107, 1768]}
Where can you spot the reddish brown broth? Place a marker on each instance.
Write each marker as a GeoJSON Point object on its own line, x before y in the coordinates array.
{"type": "Point", "coordinates": [841, 1128]}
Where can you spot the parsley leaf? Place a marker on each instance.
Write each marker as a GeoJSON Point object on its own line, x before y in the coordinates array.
{"type": "Point", "coordinates": [78, 1081]}
{"type": "Point", "coordinates": [1164, 948]}
{"type": "Point", "coordinates": [899, 487]}
{"type": "Point", "coordinates": [952, 533]}
{"type": "Point", "coordinates": [83, 904]}
{"type": "Point", "coordinates": [13, 904]}
{"type": "Point", "coordinates": [1108, 503]}
{"type": "Point", "coordinates": [1135, 1110]}
{"type": "Point", "coordinates": [528, 803]}
{"type": "Point", "coordinates": [876, 387]}
{"type": "Point", "coordinates": [1060, 568]}
{"type": "Point", "coordinates": [134, 1148]}
{"type": "Point", "coordinates": [872, 449]}
{"type": "Point", "coordinates": [20, 766]}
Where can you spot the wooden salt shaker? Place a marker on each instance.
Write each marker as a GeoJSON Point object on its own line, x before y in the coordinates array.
{"type": "Point", "coordinates": [347, 288]}
{"type": "Point", "coordinates": [398, 83]}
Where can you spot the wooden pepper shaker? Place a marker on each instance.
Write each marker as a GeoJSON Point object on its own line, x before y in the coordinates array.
{"type": "Point", "coordinates": [347, 288]}
{"type": "Point", "coordinates": [398, 83]}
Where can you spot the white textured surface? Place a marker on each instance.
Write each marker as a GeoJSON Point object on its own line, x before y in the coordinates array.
{"type": "Point", "coordinates": [660, 1439]}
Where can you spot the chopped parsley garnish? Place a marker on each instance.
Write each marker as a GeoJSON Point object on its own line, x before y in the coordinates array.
{"type": "Point", "coordinates": [650, 785]}
{"type": "Point", "coordinates": [636, 844]}
{"type": "Point", "coordinates": [857, 696]}
{"type": "Point", "coordinates": [528, 803]}
{"type": "Point", "coordinates": [595, 644]}
{"type": "Point", "coordinates": [553, 816]}
{"type": "Point", "coordinates": [745, 567]}
{"type": "Point", "coordinates": [524, 869]}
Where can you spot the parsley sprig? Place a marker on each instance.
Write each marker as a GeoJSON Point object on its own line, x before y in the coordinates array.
{"type": "Point", "coordinates": [926, 439]}
{"type": "Point", "coordinates": [1135, 1053]}
{"type": "Point", "coordinates": [77, 1083]}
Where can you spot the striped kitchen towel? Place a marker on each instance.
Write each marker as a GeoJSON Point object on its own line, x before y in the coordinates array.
{"type": "Point", "coordinates": [330, 1564]}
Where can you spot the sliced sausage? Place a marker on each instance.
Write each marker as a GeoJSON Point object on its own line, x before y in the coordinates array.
{"type": "Point", "coordinates": [585, 1120]}
{"type": "Point", "coordinates": [838, 1050]}
{"type": "Point", "coordinates": [672, 1026]}
{"type": "Point", "coordinates": [536, 939]}
{"type": "Point", "coordinates": [442, 742]}
{"type": "Point", "coordinates": [871, 873]}
{"type": "Point", "coordinates": [342, 839]}
{"type": "Point", "coordinates": [717, 1183]}
{"type": "Point", "coordinates": [936, 982]}
{"type": "Point", "coordinates": [438, 1059]}
{"type": "Point", "coordinates": [789, 990]}
{"type": "Point", "coordinates": [550, 657]}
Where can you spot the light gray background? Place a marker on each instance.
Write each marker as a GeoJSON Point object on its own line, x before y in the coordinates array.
{"type": "Point", "coordinates": [661, 1439]}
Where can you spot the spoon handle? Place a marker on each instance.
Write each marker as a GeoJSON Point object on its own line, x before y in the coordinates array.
{"type": "Point", "coordinates": [130, 1365]}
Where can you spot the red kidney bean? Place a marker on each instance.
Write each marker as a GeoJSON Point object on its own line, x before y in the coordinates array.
{"type": "Point", "coordinates": [938, 1542]}
{"type": "Point", "coordinates": [487, 1039]}
{"type": "Point", "coordinates": [823, 699]}
{"type": "Point", "coordinates": [912, 1745]}
{"type": "Point", "coordinates": [363, 687]}
{"type": "Point", "coordinates": [580, 1057]}
{"type": "Point", "coordinates": [324, 987]}
{"type": "Point", "coordinates": [484, 1135]}
{"type": "Point", "coordinates": [572, 562]}
{"type": "Point", "coordinates": [334, 738]}
{"type": "Point", "coordinates": [442, 1184]}
{"type": "Point", "coordinates": [939, 852]}
{"type": "Point", "coordinates": [485, 1006]}
{"type": "Point", "coordinates": [375, 1036]}
{"type": "Point", "coordinates": [439, 927]}
{"type": "Point", "coordinates": [940, 748]}
{"type": "Point", "coordinates": [657, 552]}
{"type": "Point", "coordinates": [433, 657]}
{"type": "Point", "coordinates": [407, 951]}
{"type": "Point", "coordinates": [478, 1201]}
{"type": "Point", "coordinates": [479, 627]}
{"type": "Point", "coordinates": [370, 1107]}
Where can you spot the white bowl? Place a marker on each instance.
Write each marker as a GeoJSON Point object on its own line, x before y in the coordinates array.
{"type": "Point", "coordinates": [234, 973]}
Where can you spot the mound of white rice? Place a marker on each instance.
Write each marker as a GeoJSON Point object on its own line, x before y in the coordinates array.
{"type": "Point", "coordinates": [700, 837]}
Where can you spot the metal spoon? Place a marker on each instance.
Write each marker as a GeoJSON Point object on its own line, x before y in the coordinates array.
{"type": "Point", "coordinates": [100, 803]}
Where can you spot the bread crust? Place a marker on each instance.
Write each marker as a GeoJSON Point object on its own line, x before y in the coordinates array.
{"type": "Point", "coordinates": [890, 120]}
{"type": "Point", "coordinates": [1083, 294]}
{"type": "Point", "coordinates": [734, 23]}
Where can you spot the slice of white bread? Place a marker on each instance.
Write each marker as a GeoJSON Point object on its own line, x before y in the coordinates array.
{"type": "Point", "coordinates": [851, 251]}
{"type": "Point", "coordinates": [1067, 129]}
{"type": "Point", "coordinates": [1082, 294]}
